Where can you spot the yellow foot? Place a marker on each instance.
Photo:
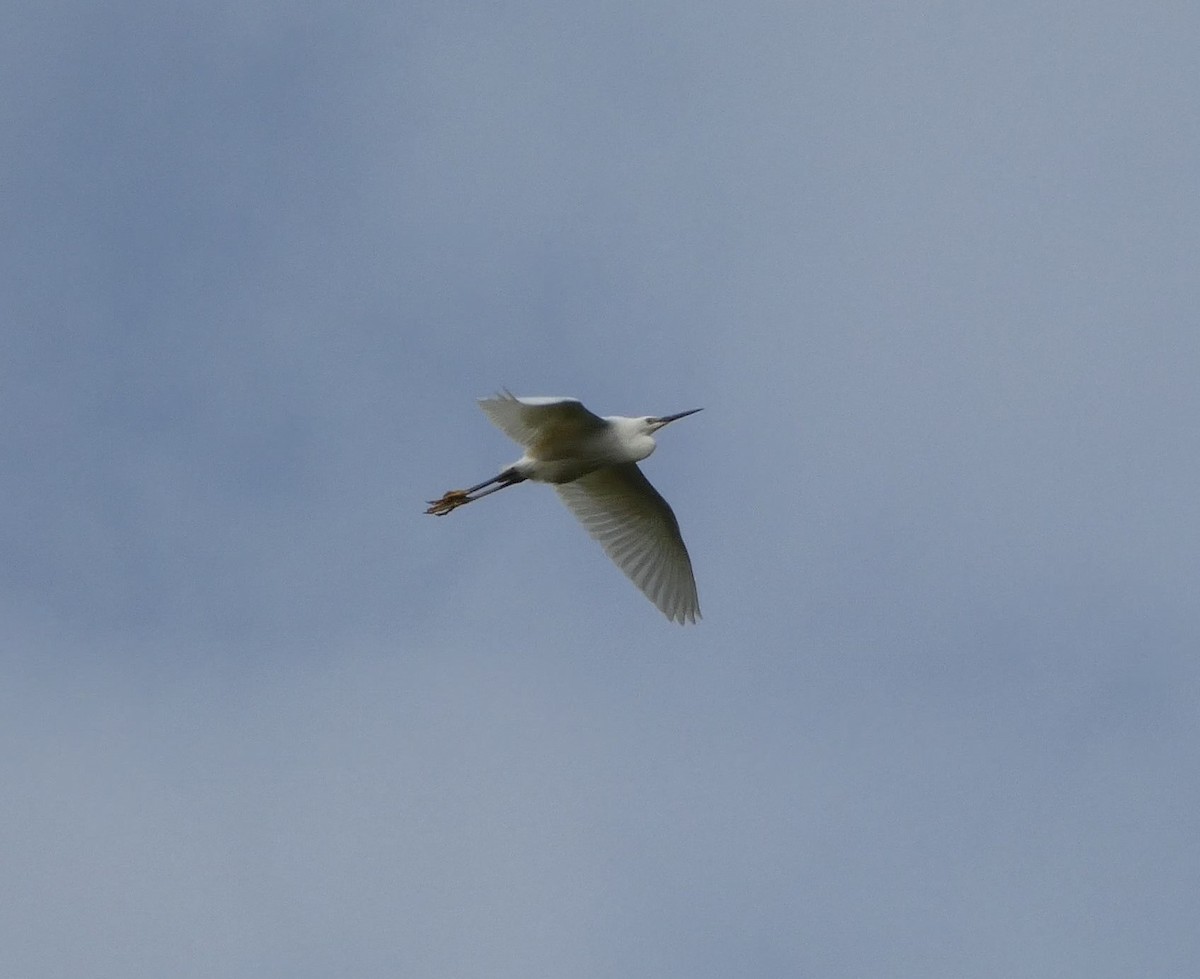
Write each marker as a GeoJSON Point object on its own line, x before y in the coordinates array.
{"type": "Point", "coordinates": [449, 501]}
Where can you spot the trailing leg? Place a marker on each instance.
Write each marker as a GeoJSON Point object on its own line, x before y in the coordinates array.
{"type": "Point", "coordinates": [452, 499]}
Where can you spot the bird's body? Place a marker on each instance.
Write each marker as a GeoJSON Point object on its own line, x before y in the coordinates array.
{"type": "Point", "coordinates": [592, 462]}
{"type": "Point", "coordinates": [563, 440]}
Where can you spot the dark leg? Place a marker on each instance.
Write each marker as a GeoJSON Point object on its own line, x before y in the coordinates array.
{"type": "Point", "coordinates": [503, 477]}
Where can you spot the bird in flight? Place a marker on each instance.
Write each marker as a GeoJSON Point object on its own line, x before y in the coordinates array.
{"type": "Point", "coordinates": [592, 463]}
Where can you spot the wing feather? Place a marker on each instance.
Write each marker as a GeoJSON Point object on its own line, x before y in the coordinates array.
{"type": "Point", "coordinates": [639, 532]}
{"type": "Point", "coordinates": [534, 421]}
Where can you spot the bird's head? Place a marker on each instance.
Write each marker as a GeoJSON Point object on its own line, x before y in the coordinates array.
{"type": "Point", "coordinates": [636, 435]}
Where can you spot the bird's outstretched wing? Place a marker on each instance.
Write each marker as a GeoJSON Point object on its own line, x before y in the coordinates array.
{"type": "Point", "coordinates": [637, 529]}
{"type": "Point", "coordinates": [534, 421]}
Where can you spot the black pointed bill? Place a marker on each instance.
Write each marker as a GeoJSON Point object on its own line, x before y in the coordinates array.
{"type": "Point", "coordinates": [667, 419]}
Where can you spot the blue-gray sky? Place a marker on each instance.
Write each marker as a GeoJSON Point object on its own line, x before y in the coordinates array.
{"type": "Point", "coordinates": [930, 268]}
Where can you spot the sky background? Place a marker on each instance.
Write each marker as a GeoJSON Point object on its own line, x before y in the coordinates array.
{"type": "Point", "coordinates": [930, 268]}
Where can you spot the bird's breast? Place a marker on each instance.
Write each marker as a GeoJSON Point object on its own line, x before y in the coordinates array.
{"type": "Point", "coordinates": [564, 461]}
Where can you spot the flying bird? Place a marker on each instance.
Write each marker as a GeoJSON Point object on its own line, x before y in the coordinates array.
{"type": "Point", "coordinates": [592, 463]}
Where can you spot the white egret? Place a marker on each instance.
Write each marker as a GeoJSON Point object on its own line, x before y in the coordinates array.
{"type": "Point", "coordinates": [592, 463]}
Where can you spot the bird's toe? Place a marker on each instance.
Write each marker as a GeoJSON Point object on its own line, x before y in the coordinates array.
{"type": "Point", "coordinates": [450, 499]}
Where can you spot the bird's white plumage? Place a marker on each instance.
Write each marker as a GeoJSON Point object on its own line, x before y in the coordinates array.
{"type": "Point", "coordinates": [534, 422]}
{"type": "Point", "coordinates": [638, 530]}
{"type": "Point", "coordinates": [592, 463]}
